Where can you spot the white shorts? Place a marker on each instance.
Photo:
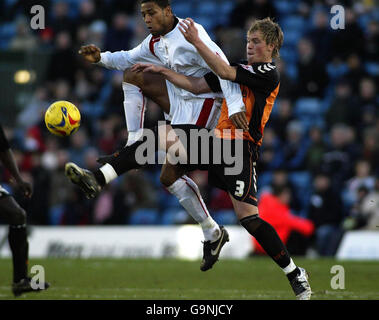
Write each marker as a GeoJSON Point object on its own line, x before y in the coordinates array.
{"type": "Point", "coordinates": [203, 112]}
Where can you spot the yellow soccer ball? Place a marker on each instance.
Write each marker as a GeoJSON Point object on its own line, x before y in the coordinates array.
{"type": "Point", "coordinates": [62, 118]}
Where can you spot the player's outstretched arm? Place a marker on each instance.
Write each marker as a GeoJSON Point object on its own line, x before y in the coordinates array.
{"type": "Point", "coordinates": [219, 66]}
{"type": "Point", "coordinates": [194, 85]}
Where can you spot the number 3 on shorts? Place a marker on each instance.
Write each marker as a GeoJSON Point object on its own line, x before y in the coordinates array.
{"type": "Point", "coordinates": [240, 185]}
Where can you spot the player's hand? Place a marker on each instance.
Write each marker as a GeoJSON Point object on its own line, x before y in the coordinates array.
{"type": "Point", "coordinates": [91, 53]}
{"type": "Point", "coordinates": [25, 187]}
{"type": "Point", "coordinates": [240, 121]}
{"type": "Point", "coordinates": [147, 67]}
{"type": "Point", "coordinates": [189, 31]}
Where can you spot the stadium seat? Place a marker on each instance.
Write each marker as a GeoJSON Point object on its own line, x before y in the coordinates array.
{"type": "Point", "coordinates": [302, 181]}
{"type": "Point", "coordinates": [264, 179]}
{"type": "Point", "coordinates": [288, 53]}
{"type": "Point", "coordinates": [174, 216]}
{"type": "Point", "coordinates": [144, 216]}
{"type": "Point", "coordinates": [292, 22]}
{"type": "Point", "coordinates": [183, 9]}
{"type": "Point", "coordinates": [307, 107]}
{"type": "Point", "coordinates": [225, 217]}
{"type": "Point", "coordinates": [55, 215]}
{"type": "Point", "coordinates": [292, 37]}
{"type": "Point", "coordinates": [285, 6]}
{"type": "Point", "coordinates": [336, 71]}
{"type": "Point", "coordinates": [372, 68]}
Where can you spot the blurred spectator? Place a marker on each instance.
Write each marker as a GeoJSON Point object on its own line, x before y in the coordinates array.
{"type": "Point", "coordinates": [370, 207]}
{"type": "Point", "coordinates": [294, 231]}
{"type": "Point", "coordinates": [326, 212]}
{"type": "Point", "coordinates": [312, 76]}
{"type": "Point", "coordinates": [372, 41]}
{"type": "Point", "coordinates": [317, 149]}
{"type": "Point", "coordinates": [283, 116]}
{"type": "Point", "coordinates": [79, 144]}
{"type": "Point", "coordinates": [356, 72]}
{"type": "Point", "coordinates": [362, 178]}
{"type": "Point", "coordinates": [34, 111]}
{"type": "Point", "coordinates": [296, 146]}
{"type": "Point", "coordinates": [119, 35]}
{"type": "Point", "coordinates": [344, 106]}
{"type": "Point", "coordinates": [348, 40]}
{"type": "Point", "coordinates": [287, 84]}
{"type": "Point", "coordinates": [97, 31]}
{"type": "Point", "coordinates": [356, 219]}
{"type": "Point", "coordinates": [368, 103]}
{"type": "Point", "coordinates": [63, 61]}
{"type": "Point", "coordinates": [60, 19]}
{"type": "Point", "coordinates": [370, 150]}
{"type": "Point", "coordinates": [244, 9]}
{"type": "Point", "coordinates": [24, 38]}
{"type": "Point", "coordinates": [271, 152]}
{"type": "Point", "coordinates": [342, 153]}
{"type": "Point", "coordinates": [87, 13]}
{"type": "Point", "coordinates": [320, 36]}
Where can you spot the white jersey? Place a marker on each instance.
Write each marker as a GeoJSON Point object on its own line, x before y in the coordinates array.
{"type": "Point", "coordinates": [173, 51]}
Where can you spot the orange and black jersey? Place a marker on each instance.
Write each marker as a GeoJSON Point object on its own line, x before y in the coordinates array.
{"type": "Point", "coordinates": [259, 84]}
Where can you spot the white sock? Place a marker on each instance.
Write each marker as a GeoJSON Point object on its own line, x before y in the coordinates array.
{"type": "Point", "coordinates": [108, 172]}
{"type": "Point", "coordinates": [291, 267]}
{"type": "Point", "coordinates": [190, 198]}
{"type": "Point", "coordinates": [134, 108]}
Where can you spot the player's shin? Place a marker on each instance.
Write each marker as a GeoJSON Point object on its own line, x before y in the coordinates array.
{"type": "Point", "coordinates": [134, 107]}
{"type": "Point", "coordinates": [19, 246]}
{"type": "Point", "coordinates": [188, 194]}
{"type": "Point", "coordinates": [268, 238]}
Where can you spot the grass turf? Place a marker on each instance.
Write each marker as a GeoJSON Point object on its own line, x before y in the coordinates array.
{"type": "Point", "coordinates": [149, 279]}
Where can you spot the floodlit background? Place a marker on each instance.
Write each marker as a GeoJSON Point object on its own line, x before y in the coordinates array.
{"type": "Point", "coordinates": [321, 140]}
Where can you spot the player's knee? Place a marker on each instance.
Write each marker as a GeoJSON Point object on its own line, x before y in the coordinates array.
{"type": "Point", "coordinates": [166, 179]}
{"type": "Point", "coordinates": [18, 216]}
{"type": "Point", "coordinates": [133, 77]}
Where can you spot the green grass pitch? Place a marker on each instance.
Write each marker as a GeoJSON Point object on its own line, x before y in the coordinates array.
{"type": "Point", "coordinates": [255, 278]}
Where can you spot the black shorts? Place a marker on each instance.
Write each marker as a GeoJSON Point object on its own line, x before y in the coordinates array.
{"type": "Point", "coordinates": [242, 184]}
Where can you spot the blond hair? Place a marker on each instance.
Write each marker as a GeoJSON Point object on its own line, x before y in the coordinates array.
{"type": "Point", "coordinates": [271, 31]}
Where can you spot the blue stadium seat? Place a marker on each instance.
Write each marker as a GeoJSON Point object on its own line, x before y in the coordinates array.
{"type": "Point", "coordinates": [144, 216]}
{"type": "Point", "coordinates": [372, 68]}
{"type": "Point", "coordinates": [55, 214]}
{"type": "Point", "coordinates": [292, 22]}
{"type": "Point", "coordinates": [167, 200]}
{"type": "Point", "coordinates": [335, 71]}
{"type": "Point", "coordinates": [288, 53]}
{"type": "Point", "coordinates": [209, 8]}
{"type": "Point", "coordinates": [291, 69]}
{"type": "Point", "coordinates": [183, 9]}
{"type": "Point", "coordinates": [307, 107]}
{"type": "Point", "coordinates": [285, 6]}
{"type": "Point", "coordinates": [292, 37]}
{"type": "Point", "coordinates": [264, 179]}
{"type": "Point", "coordinates": [302, 181]}
{"type": "Point", "coordinates": [174, 216]}
{"type": "Point", "coordinates": [225, 217]}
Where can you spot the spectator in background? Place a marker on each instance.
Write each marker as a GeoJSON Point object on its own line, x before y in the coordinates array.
{"type": "Point", "coordinates": [370, 207]}
{"type": "Point", "coordinates": [24, 38]}
{"type": "Point", "coordinates": [87, 13]}
{"type": "Point", "coordinates": [296, 147]}
{"type": "Point", "coordinates": [60, 19]}
{"type": "Point", "coordinates": [312, 76]}
{"type": "Point", "coordinates": [316, 150]}
{"type": "Point", "coordinates": [370, 150]}
{"type": "Point", "coordinates": [96, 33]}
{"type": "Point", "coordinates": [282, 117]}
{"type": "Point", "coordinates": [294, 231]}
{"type": "Point", "coordinates": [368, 103]}
{"type": "Point", "coordinates": [119, 35]}
{"type": "Point", "coordinates": [63, 63]}
{"type": "Point", "coordinates": [356, 72]}
{"type": "Point", "coordinates": [340, 156]}
{"type": "Point", "coordinates": [259, 9]}
{"type": "Point", "coordinates": [79, 144]}
{"type": "Point", "coordinates": [372, 42]}
{"type": "Point", "coordinates": [362, 178]}
{"type": "Point", "coordinates": [287, 84]}
{"type": "Point", "coordinates": [271, 153]}
{"type": "Point", "coordinates": [348, 40]}
{"type": "Point", "coordinates": [320, 36]}
{"type": "Point", "coordinates": [326, 212]}
{"type": "Point", "coordinates": [343, 108]}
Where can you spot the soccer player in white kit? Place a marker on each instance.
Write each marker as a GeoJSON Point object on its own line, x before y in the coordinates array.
{"type": "Point", "coordinates": [166, 46]}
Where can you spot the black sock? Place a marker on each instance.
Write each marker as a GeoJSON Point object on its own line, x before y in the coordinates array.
{"type": "Point", "coordinates": [268, 239]}
{"type": "Point", "coordinates": [19, 246]}
{"type": "Point", "coordinates": [125, 159]}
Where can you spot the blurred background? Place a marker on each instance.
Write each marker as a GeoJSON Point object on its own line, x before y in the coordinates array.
{"type": "Point", "coordinates": [318, 173]}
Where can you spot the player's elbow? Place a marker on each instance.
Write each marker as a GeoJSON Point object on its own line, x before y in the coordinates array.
{"type": "Point", "coordinates": [226, 74]}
